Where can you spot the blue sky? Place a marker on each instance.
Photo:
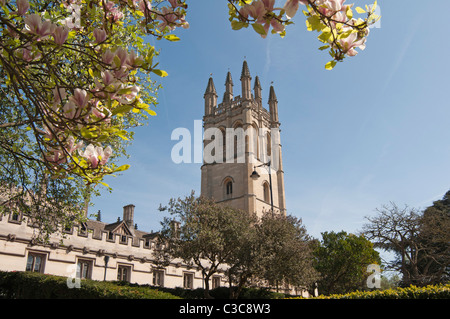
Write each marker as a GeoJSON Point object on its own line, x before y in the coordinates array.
{"type": "Point", "coordinates": [374, 130]}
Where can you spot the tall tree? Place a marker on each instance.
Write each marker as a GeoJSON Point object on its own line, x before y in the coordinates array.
{"type": "Point", "coordinates": [419, 240]}
{"type": "Point", "coordinates": [435, 237]}
{"type": "Point", "coordinates": [342, 260]}
{"type": "Point", "coordinates": [275, 252]}
{"type": "Point", "coordinates": [286, 251]}
{"type": "Point", "coordinates": [208, 233]}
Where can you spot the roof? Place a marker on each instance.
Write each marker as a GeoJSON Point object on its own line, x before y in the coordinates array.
{"type": "Point", "coordinates": [98, 227]}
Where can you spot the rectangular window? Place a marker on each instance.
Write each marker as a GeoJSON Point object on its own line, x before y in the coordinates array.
{"type": "Point", "coordinates": [84, 269]}
{"type": "Point", "coordinates": [35, 263]}
{"type": "Point", "coordinates": [123, 273]}
{"type": "Point", "coordinates": [188, 281]}
{"type": "Point", "coordinates": [215, 282]}
{"type": "Point", "coordinates": [15, 218]}
{"type": "Point", "coordinates": [158, 278]}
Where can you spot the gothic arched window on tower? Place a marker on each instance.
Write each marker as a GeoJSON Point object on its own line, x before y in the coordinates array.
{"type": "Point", "coordinates": [224, 145]}
{"type": "Point", "coordinates": [228, 189]}
{"type": "Point", "coordinates": [269, 144]}
{"type": "Point", "coordinates": [266, 192]}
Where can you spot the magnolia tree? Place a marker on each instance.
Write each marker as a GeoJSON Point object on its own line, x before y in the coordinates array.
{"type": "Point", "coordinates": [73, 73]}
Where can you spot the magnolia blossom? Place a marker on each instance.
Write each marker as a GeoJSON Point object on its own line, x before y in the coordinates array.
{"type": "Point", "coordinates": [169, 18]}
{"type": "Point", "coordinates": [291, 7]}
{"type": "Point", "coordinates": [34, 25]}
{"type": "Point", "coordinates": [96, 155]}
{"type": "Point", "coordinates": [113, 11]}
{"type": "Point", "coordinates": [134, 60]}
{"type": "Point", "coordinates": [76, 104]}
{"type": "Point", "coordinates": [22, 7]}
{"type": "Point", "coordinates": [99, 111]}
{"type": "Point", "coordinates": [130, 96]}
{"type": "Point", "coordinates": [258, 10]}
{"type": "Point", "coordinates": [71, 146]}
{"type": "Point", "coordinates": [351, 42]}
{"type": "Point", "coordinates": [143, 5]}
{"type": "Point", "coordinates": [335, 5]}
{"type": "Point", "coordinates": [29, 55]}
{"type": "Point", "coordinates": [100, 35]}
{"type": "Point", "coordinates": [56, 156]}
{"type": "Point", "coordinates": [60, 35]}
{"type": "Point", "coordinates": [59, 94]}
{"type": "Point", "coordinates": [108, 57]}
{"type": "Point", "coordinates": [80, 98]}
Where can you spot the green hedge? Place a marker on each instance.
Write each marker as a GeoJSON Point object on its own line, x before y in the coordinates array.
{"type": "Point", "coordinates": [412, 292]}
{"type": "Point", "coordinates": [217, 293]}
{"type": "Point", "coordinates": [29, 285]}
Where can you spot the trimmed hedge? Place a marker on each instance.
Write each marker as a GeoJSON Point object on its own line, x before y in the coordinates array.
{"type": "Point", "coordinates": [412, 292]}
{"type": "Point", "coordinates": [29, 285]}
{"type": "Point", "coordinates": [217, 293]}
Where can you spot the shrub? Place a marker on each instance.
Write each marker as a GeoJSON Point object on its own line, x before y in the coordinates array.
{"type": "Point", "coordinates": [411, 292]}
{"type": "Point", "coordinates": [20, 285]}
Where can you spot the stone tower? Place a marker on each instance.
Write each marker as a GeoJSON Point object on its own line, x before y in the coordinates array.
{"type": "Point", "coordinates": [241, 140]}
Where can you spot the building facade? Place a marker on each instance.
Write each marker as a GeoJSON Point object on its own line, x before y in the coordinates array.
{"type": "Point", "coordinates": [95, 250]}
{"type": "Point", "coordinates": [242, 164]}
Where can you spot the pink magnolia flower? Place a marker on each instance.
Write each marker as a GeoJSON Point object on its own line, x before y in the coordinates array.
{"type": "Point", "coordinates": [98, 113]}
{"type": "Point", "coordinates": [291, 7]}
{"type": "Point", "coordinates": [90, 153]}
{"type": "Point", "coordinates": [168, 18]}
{"type": "Point", "coordinates": [334, 5]}
{"type": "Point", "coordinates": [107, 77]}
{"type": "Point", "coordinates": [22, 6]}
{"type": "Point", "coordinates": [113, 11]}
{"type": "Point", "coordinates": [277, 25]}
{"type": "Point", "coordinates": [133, 60]}
{"type": "Point", "coordinates": [56, 157]}
{"type": "Point", "coordinates": [351, 42]}
{"type": "Point", "coordinates": [58, 95]}
{"type": "Point", "coordinates": [143, 5]}
{"type": "Point", "coordinates": [104, 155]}
{"type": "Point", "coordinates": [96, 155]}
{"type": "Point", "coordinates": [257, 10]}
{"type": "Point", "coordinates": [173, 3]}
{"type": "Point", "coordinates": [122, 54]}
{"type": "Point", "coordinates": [71, 146]}
{"type": "Point", "coordinates": [108, 57]}
{"type": "Point", "coordinates": [100, 35]}
{"type": "Point", "coordinates": [60, 35]}
{"type": "Point", "coordinates": [269, 4]}
{"type": "Point", "coordinates": [28, 55]}
{"type": "Point", "coordinates": [80, 98]}
{"type": "Point", "coordinates": [130, 96]}
{"type": "Point", "coordinates": [70, 110]}
{"type": "Point", "coordinates": [34, 25]}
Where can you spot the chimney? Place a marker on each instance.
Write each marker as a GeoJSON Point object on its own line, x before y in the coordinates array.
{"type": "Point", "coordinates": [128, 215]}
